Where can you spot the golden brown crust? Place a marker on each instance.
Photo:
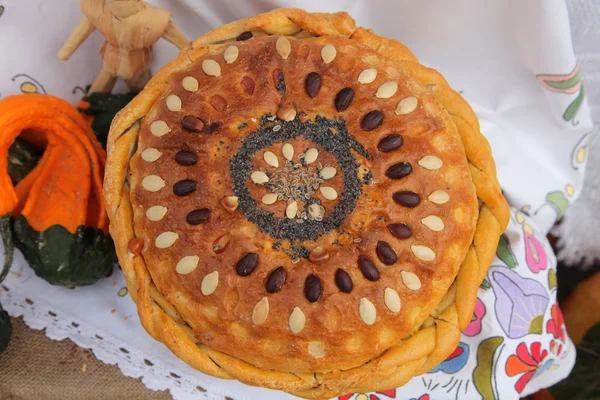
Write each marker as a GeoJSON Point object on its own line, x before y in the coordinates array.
{"type": "Point", "coordinates": [334, 320]}
{"type": "Point", "coordinates": [385, 369]}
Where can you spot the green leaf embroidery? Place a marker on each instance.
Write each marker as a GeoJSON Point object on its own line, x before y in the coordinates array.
{"type": "Point", "coordinates": [537, 325]}
{"type": "Point", "coordinates": [574, 106]}
{"type": "Point", "coordinates": [552, 279]}
{"type": "Point", "coordinates": [505, 253]}
{"type": "Point", "coordinates": [558, 200]}
{"type": "Point", "coordinates": [566, 84]}
{"type": "Point", "coordinates": [482, 374]}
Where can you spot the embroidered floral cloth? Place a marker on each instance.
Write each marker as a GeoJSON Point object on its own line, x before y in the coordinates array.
{"type": "Point", "coordinates": [512, 60]}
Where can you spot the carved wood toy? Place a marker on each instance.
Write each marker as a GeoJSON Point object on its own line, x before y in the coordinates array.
{"type": "Point", "coordinates": [130, 28]}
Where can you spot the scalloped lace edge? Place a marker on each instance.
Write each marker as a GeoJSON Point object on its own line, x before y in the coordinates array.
{"type": "Point", "coordinates": [132, 364]}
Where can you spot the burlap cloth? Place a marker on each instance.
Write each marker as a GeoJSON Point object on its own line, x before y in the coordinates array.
{"type": "Point", "coordinates": [37, 368]}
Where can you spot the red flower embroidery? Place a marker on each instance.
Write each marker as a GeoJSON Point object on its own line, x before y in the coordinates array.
{"type": "Point", "coordinates": [556, 347]}
{"type": "Point", "coordinates": [474, 328]}
{"type": "Point", "coordinates": [525, 363]}
{"type": "Point", "coordinates": [556, 325]}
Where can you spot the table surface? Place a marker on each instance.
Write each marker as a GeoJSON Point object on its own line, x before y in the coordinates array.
{"type": "Point", "coordinates": [35, 367]}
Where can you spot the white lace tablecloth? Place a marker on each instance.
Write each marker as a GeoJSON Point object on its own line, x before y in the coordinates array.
{"type": "Point", "coordinates": [512, 60]}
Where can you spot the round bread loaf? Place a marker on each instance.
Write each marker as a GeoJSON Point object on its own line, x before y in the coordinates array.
{"type": "Point", "coordinates": [315, 209]}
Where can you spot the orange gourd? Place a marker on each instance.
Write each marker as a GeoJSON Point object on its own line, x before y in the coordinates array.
{"type": "Point", "coordinates": [60, 217]}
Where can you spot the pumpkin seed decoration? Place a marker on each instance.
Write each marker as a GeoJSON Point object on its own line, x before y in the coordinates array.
{"type": "Point", "coordinates": [190, 84]}
{"type": "Point", "coordinates": [311, 155]}
{"type": "Point", "coordinates": [153, 183]}
{"type": "Point", "coordinates": [430, 162]}
{"type": "Point", "coordinates": [367, 311]}
{"type": "Point", "coordinates": [259, 177]}
{"type": "Point", "coordinates": [159, 128]}
{"type": "Point", "coordinates": [392, 300]}
{"type": "Point", "coordinates": [433, 222]}
{"type": "Point", "coordinates": [151, 155]}
{"type": "Point", "coordinates": [187, 265]}
{"type": "Point", "coordinates": [260, 311]}
{"type": "Point", "coordinates": [423, 253]}
{"type": "Point", "coordinates": [438, 197]}
{"type": "Point", "coordinates": [211, 68]}
{"type": "Point", "coordinates": [328, 53]}
{"type": "Point", "coordinates": [328, 173]}
{"type": "Point", "coordinates": [166, 240]}
{"type": "Point", "coordinates": [328, 192]}
{"type": "Point", "coordinates": [173, 103]}
{"type": "Point", "coordinates": [367, 76]}
{"type": "Point", "coordinates": [406, 105]}
{"type": "Point", "coordinates": [291, 210]}
{"type": "Point", "coordinates": [156, 213]}
{"type": "Point", "coordinates": [411, 280]}
{"type": "Point", "coordinates": [387, 90]}
{"type": "Point", "coordinates": [288, 151]}
{"type": "Point", "coordinates": [231, 54]}
{"type": "Point", "coordinates": [271, 159]}
{"type": "Point", "coordinates": [269, 198]}
{"type": "Point", "coordinates": [210, 283]}
{"type": "Point", "coordinates": [283, 47]}
{"type": "Point", "coordinates": [297, 321]}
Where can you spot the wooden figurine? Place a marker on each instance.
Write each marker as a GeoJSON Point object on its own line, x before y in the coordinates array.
{"type": "Point", "coordinates": [130, 28]}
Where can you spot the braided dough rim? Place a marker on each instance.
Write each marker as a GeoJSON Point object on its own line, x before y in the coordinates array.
{"type": "Point", "coordinates": [419, 353]}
